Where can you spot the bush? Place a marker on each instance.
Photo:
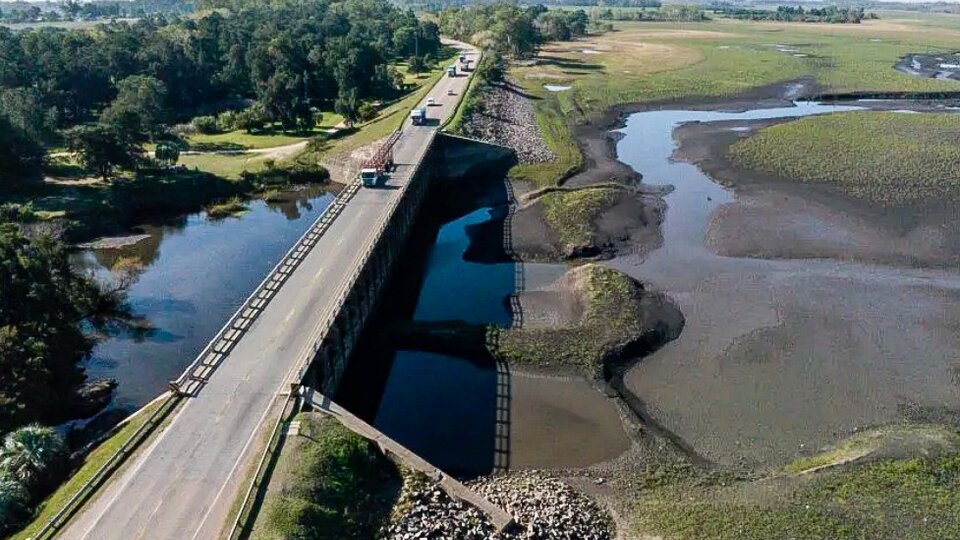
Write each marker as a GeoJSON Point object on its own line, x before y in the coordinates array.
{"type": "Point", "coordinates": [206, 125]}
{"type": "Point", "coordinates": [227, 120]}
{"type": "Point", "coordinates": [366, 112]}
{"type": "Point", "coordinates": [35, 456]}
{"type": "Point", "coordinates": [14, 502]}
{"type": "Point", "coordinates": [298, 172]}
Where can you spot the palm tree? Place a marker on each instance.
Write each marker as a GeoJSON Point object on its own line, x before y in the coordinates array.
{"type": "Point", "coordinates": [30, 454]}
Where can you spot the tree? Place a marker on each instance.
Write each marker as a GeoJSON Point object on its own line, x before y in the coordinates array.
{"type": "Point", "coordinates": [20, 154]}
{"type": "Point", "coordinates": [167, 153]}
{"type": "Point", "coordinates": [13, 505]}
{"type": "Point", "coordinates": [33, 455]}
{"type": "Point", "coordinates": [46, 308]}
{"type": "Point", "coordinates": [137, 111]}
{"type": "Point", "coordinates": [417, 64]}
{"type": "Point", "coordinates": [251, 119]}
{"type": "Point", "coordinates": [348, 106]}
{"type": "Point", "coordinates": [102, 149]}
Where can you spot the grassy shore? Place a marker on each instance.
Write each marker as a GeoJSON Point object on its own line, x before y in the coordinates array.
{"type": "Point", "coordinates": [571, 213]}
{"type": "Point", "coordinates": [329, 484]}
{"type": "Point", "coordinates": [883, 157]}
{"type": "Point", "coordinates": [887, 497]}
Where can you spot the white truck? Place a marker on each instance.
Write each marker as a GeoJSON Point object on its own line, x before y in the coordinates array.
{"type": "Point", "coordinates": [418, 116]}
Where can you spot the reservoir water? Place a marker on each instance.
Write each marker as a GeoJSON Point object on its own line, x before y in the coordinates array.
{"type": "Point", "coordinates": [473, 416]}
{"type": "Point", "coordinates": [194, 273]}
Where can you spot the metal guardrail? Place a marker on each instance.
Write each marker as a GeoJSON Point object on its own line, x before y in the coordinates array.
{"type": "Point", "coordinates": [320, 332]}
{"type": "Point", "coordinates": [220, 346]}
{"type": "Point", "coordinates": [89, 487]}
{"type": "Point", "coordinates": [216, 349]}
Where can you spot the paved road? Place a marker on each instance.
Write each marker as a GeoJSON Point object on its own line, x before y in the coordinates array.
{"type": "Point", "coordinates": [182, 485]}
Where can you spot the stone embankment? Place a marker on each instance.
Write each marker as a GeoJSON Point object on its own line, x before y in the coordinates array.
{"type": "Point", "coordinates": [544, 508]}
{"type": "Point", "coordinates": [503, 115]}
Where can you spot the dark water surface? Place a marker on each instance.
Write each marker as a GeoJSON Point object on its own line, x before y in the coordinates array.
{"type": "Point", "coordinates": [195, 273]}
{"type": "Point", "coordinates": [472, 416]}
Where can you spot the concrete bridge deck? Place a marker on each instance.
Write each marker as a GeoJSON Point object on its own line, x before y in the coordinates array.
{"type": "Point", "coordinates": [183, 483]}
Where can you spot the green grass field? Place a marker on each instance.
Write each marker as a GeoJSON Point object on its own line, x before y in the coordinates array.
{"type": "Point", "coordinates": [913, 498]}
{"type": "Point", "coordinates": [883, 157]}
{"type": "Point", "coordinates": [329, 484]}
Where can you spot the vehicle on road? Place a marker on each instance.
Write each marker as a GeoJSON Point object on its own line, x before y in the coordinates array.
{"type": "Point", "coordinates": [371, 177]}
{"type": "Point", "coordinates": [418, 116]}
{"type": "Point", "coordinates": [463, 58]}
{"type": "Point", "coordinates": [450, 92]}
{"type": "Point", "coordinates": [431, 102]}
{"type": "Point", "coordinates": [452, 71]}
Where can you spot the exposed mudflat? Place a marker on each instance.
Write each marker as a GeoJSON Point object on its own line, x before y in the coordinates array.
{"type": "Point", "coordinates": [832, 332]}
{"type": "Point", "coordinates": [561, 422]}
{"type": "Point", "coordinates": [772, 218]}
{"type": "Point", "coordinates": [943, 66]}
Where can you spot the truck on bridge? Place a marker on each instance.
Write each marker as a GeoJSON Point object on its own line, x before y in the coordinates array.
{"type": "Point", "coordinates": [418, 116]}
{"type": "Point", "coordinates": [374, 171]}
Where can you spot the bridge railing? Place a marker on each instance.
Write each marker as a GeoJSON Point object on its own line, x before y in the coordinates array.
{"type": "Point", "coordinates": [308, 353]}
{"type": "Point", "coordinates": [215, 351]}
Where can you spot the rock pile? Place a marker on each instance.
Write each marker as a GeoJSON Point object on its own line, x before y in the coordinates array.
{"type": "Point", "coordinates": [544, 509]}
{"type": "Point", "coordinates": [504, 116]}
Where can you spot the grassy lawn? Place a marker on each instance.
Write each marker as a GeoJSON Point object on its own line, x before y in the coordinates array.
{"type": "Point", "coordinates": [329, 484]}
{"type": "Point", "coordinates": [912, 498]}
{"type": "Point", "coordinates": [91, 464]}
{"type": "Point", "coordinates": [224, 165]}
{"type": "Point", "coordinates": [884, 157]}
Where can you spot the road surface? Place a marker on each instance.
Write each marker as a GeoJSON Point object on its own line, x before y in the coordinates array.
{"type": "Point", "coordinates": [183, 484]}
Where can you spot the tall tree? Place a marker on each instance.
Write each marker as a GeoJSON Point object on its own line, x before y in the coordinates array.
{"type": "Point", "coordinates": [46, 308]}
{"type": "Point", "coordinates": [103, 149]}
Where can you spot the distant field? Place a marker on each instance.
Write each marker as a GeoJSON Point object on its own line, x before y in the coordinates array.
{"type": "Point", "coordinates": [884, 157]}
{"type": "Point", "coordinates": [643, 62]}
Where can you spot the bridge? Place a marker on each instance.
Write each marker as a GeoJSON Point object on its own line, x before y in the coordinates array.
{"type": "Point", "coordinates": [183, 482]}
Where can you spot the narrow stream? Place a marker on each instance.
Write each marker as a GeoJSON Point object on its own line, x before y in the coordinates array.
{"type": "Point", "coordinates": [195, 273]}
{"type": "Point", "coordinates": [780, 357]}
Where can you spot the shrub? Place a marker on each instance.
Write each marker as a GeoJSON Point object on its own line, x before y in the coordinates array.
{"type": "Point", "coordinates": [227, 120]}
{"type": "Point", "coordinates": [35, 456]}
{"type": "Point", "coordinates": [366, 112]}
{"type": "Point", "coordinates": [206, 124]}
{"type": "Point", "coordinates": [13, 505]}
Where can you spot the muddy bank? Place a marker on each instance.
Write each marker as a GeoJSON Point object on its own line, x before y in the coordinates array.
{"type": "Point", "coordinates": [631, 222]}
{"type": "Point", "coordinates": [776, 218]}
{"type": "Point", "coordinates": [779, 356]}
{"type": "Point", "coordinates": [942, 66]}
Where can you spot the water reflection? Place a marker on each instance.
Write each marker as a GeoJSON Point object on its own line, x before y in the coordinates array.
{"type": "Point", "coordinates": [189, 275]}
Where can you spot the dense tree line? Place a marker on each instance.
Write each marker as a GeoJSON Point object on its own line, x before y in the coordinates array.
{"type": "Point", "coordinates": [290, 57]}
{"type": "Point", "coordinates": [73, 10]}
{"type": "Point", "coordinates": [830, 14]}
{"type": "Point", "coordinates": [509, 29]}
{"type": "Point", "coordinates": [670, 12]}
